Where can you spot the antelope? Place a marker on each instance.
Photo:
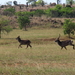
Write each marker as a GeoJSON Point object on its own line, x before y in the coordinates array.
{"type": "Point", "coordinates": [64, 43]}
{"type": "Point", "coordinates": [23, 42]}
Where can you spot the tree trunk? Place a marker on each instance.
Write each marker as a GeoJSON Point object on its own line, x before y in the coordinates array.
{"type": "Point", "coordinates": [25, 28]}
{"type": "Point", "coordinates": [69, 35]}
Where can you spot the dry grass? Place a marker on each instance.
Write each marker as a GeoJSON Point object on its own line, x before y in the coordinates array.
{"type": "Point", "coordinates": [45, 58]}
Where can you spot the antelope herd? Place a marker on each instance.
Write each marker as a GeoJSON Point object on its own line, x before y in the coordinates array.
{"type": "Point", "coordinates": [62, 44]}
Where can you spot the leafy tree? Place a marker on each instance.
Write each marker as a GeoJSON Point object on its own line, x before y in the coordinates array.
{"type": "Point", "coordinates": [15, 2]}
{"type": "Point", "coordinates": [40, 2]}
{"type": "Point", "coordinates": [31, 1]}
{"type": "Point", "coordinates": [67, 12]}
{"type": "Point", "coordinates": [9, 3]}
{"type": "Point", "coordinates": [69, 27]}
{"type": "Point", "coordinates": [58, 1]}
{"type": "Point", "coordinates": [23, 21]}
{"type": "Point", "coordinates": [70, 2]}
{"type": "Point", "coordinates": [4, 26]}
{"type": "Point", "coordinates": [9, 12]}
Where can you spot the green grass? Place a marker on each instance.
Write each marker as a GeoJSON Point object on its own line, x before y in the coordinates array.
{"type": "Point", "coordinates": [44, 58]}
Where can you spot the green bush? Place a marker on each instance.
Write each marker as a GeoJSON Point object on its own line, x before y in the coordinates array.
{"type": "Point", "coordinates": [67, 12]}
{"type": "Point", "coordinates": [69, 27]}
{"type": "Point", "coordinates": [4, 26]}
{"type": "Point", "coordinates": [39, 12]}
{"type": "Point", "coordinates": [9, 12]}
{"type": "Point", "coordinates": [23, 21]}
{"type": "Point", "coordinates": [25, 13]}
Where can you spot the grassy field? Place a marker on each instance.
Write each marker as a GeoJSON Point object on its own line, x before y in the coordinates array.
{"type": "Point", "coordinates": [44, 58]}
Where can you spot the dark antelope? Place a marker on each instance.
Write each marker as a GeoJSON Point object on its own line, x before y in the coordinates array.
{"type": "Point", "coordinates": [23, 42]}
{"type": "Point", "coordinates": [64, 43]}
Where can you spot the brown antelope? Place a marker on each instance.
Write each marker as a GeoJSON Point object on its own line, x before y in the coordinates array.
{"type": "Point", "coordinates": [23, 42]}
{"type": "Point", "coordinates": [64, 43]}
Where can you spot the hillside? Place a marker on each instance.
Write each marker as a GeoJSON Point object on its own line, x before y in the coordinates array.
{"type": "Point", "coordinates": [34, 21]}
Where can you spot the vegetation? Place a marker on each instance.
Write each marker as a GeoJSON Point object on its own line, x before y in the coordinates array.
{"type": "Point", "coordinates": [23, 21]}
{"type": "Point", "coordinates": [70, 2]}
{"type": "Point", "coordinates": [4, 26]}
{"type": "Point", "coordinates": [58, 11]}
{"type": "Point", "coordinates": [40, 2]}
{"type": "Point", "coordinates": [69, 27]}
{"type": "Point", "coordinates": [45, 57]}
{"type": "Point", "coordinates": [9, 12]}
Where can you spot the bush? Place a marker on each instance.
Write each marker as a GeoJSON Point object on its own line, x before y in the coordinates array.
{"type": "Point", "coordinates": [25, 13]}
{"type": "Point", "coordinates": [67, 12]}
{"type": "Point", "coordinates": [9, 12]}
{"type": "Point", "coordinates": [69, 27]}
{"type": "Point", "coordinates": [4, 26]}
{"type": "Point", "coordinates": [23, 21]}
{"type": "Point", "coordinates": [39, 12]}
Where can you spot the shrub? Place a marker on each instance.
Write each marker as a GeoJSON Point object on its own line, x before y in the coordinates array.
{"type": "Point", "coordinates": [23, 21]}
{"type": "Point", "coordinates": [69, 27]}
{"type": "Point", "coordinates": [9, 12]}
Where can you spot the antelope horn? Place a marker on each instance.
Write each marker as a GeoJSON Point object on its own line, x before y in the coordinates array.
{"type": "Point", "coordinates": [59, 36]}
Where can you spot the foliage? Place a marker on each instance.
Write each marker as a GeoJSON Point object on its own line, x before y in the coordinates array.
{"type": "Point", "coordinates": [24, 13]}
{"type": "Point", "coordinates": [31, 0]}
{"type": "Point", "coordinates": [58, 11]}
{"type": "Point", "coordinates": [15, 2]}
{"type": "Point", "coordinates": [40, 2]}
{"type": "Point", "coordinates": [9, 3]}
{"type": "Point", "coordinates": [54, 12]}
{"type": "Point", "coordinates": [9, 12]}
{"type": "Point", "coordinates": [4, 27]}
{"type": "Point", "coordinates": [70, 2]}
{"type": "Point", "coordinates": [69, 27]}
{"type": "Point", "coordinates": [67, 12]}
{"type": "Point", "coordinates": [23, 21]}
{"type": "Point", "coordinates": [39, 12]}
{"type": "Point", "coordinates": [58, 7]}
{"type": "Point", "coordinates": [58, 1]}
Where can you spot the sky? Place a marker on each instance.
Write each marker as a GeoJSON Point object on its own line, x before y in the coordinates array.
{"type": "Point", "coordinates": [3, 2]}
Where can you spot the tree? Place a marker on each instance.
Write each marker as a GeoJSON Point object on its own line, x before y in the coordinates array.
{"type": "Point", "coordinates": [4, 26]}
{"type": "Point", "coordinates": [58, 1]}
{"type": "Point", "coordinates": [31, 1]}
{"type": "Point", "coordinates": [70, 2]}
{"type": "Point", "coordinates": [15, 2]}
{"type": "Point", "coordinates": [9, 12]}
{"type": "Point", "coordinates": [69, 27]}
{"type": "Point", "coordinates": [40, 2]}
{"type": "Point", "coordinates": [23, 21]}
{"type": "Point", "coordinates": [9, 3]}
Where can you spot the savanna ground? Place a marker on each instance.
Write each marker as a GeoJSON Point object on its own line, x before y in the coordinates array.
{"type": "Point", "coordinates": [44, 58]}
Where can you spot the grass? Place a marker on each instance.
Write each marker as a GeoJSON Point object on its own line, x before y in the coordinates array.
{"type": "Point", "coordinates": [45, 58]}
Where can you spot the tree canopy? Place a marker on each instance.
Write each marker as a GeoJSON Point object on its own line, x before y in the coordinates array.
{"type": "Point", "coordinates": [69, 27]}
{"type": "Point", "coordinates": [23, 21]}
{"type": "Point", "coordinates": [4, 26]}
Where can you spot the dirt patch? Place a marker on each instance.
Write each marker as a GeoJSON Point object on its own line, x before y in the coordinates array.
{"type": "Point", "coordinates": [51, 39]}
{"type": "Point", "coordinates": [39, 64]}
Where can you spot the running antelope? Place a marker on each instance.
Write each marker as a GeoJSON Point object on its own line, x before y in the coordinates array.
{"type": "Point", "coordinates": [64, 43]}
{"type": "Point", "coordinates": [23, 42]}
